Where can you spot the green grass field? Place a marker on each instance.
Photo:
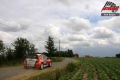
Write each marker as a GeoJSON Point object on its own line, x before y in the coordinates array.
{"type": "Point", "coordinates": [95, 69]}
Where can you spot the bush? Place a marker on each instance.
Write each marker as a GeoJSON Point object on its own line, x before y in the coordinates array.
{"type": "Point", "coordinates": [70, 67]}
{"type": "Point", "coordinates": [56, 59]}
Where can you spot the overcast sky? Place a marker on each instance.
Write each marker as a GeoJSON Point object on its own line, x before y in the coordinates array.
{"type": "Point", "coordinates": [77, 23]}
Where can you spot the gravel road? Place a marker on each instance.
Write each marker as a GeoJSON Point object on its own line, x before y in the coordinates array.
{"type": "Point", "coordinates": [6, 73]}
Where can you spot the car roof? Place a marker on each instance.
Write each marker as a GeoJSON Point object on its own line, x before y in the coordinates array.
{"type": "Point", "coordinates": [40, 54]}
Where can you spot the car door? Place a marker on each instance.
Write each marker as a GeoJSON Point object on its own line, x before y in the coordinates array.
{"type": "Point", "coordinates": [45, 59]}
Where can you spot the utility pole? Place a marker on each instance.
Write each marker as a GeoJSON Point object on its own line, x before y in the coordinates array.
{"type": "Point", "coordinates": [59, 47]}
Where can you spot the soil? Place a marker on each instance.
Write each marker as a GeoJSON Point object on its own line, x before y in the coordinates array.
{"type": "Point", "coordinates": [95, 74]}
{"type": "Point", "coordinates": [85, 75]}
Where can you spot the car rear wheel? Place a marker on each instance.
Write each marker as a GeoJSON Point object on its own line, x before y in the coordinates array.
{"type": "Point", "coordinates": [41, 66]}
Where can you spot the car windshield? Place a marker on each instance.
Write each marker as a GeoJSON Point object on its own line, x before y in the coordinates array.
{"type": "Point", "coordinates": [41, 56]}
{"type": "Point", "coordinates": [32, 56]}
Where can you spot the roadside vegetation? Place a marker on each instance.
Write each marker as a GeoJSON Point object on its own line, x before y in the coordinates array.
{"type": "Point", "coordinates": [84, 69]}
{"type": "Point", "coordinates": [11, 63]}
{"type": "Point", "coordinates": [15, 56]}
{"type": "Point", "coordinates": [56, 73]}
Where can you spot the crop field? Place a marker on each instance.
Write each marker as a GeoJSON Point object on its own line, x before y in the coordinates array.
{"type": "Point", "coordinates": [95, 69]}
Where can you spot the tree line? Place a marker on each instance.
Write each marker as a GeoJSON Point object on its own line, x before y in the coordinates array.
{"type": "Point", "coordinates": [118, 55]}
{"type": "Point", "coordinates": [67, 53]}
{"type": "Point", "coordinates": [21, 47]}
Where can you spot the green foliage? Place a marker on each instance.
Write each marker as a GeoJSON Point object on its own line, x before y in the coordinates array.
{"type": "Point", "coordinates": [58, 73]}
{"type": "Point", "coordinates": [2, 59]}
{"type": "Point", "coordinates": [49, 46]}
{"type": "Point", "coordinates": [2, 53]}
{"type": "Point", "coordinates": [91, 71]}
{"type": "Point", "coordinates": [80, 75]}
{"type": "Point", "coordinates": [70, 67]}
{"type": "Point", "coordinates": [110, 67]}
{"type": "Point", "coordinates": [2, 47]}
{"type": "Point", "coordinates": [22, 47]}
{"type": "Point", "coordinates": [105, 68]}
{"type": "Point", "coordinates": [73, 70]}
{"type": "Point", "coordinates": [68, 53]}
{"type": "Point", "coordinates": [9, 54]}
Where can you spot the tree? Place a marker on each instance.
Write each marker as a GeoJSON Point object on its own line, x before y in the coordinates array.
{"type": "Point", "coordinates": [32, 49]}
{"type": "Point", "coordinates": [70, 53]}
{"type": "Point", "coordinates": [2, 54]}
{"type": "Point", "coordinates": [2, 47]}
{"type": "Point", "coordinates": [9, 54]}
{"type": "Point", "coordinates": [22, 47]}
{"type": "Point", "coordinates": [49, 46]}
{"type": "Point", "coordinates": [118, 55]}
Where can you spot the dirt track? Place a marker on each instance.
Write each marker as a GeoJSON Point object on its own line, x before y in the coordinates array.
{"type": "Point", "coordinates": [6, 73]}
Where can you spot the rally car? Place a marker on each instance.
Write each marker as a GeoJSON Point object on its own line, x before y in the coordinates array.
{"type": "Point", "coordinates": [38, 61]}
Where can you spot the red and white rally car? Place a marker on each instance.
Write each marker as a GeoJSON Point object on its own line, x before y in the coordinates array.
{"type": "Point", "coordinates": [38, 60]}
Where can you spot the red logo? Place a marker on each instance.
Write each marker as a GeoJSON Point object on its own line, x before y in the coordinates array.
{"type": "Point", "coordinates": [110, 6]}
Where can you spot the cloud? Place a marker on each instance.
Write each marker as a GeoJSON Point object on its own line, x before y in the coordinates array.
{"type": "Point", "coordinates": [101, 32]}
{"type": "Point", "coordinates": [112, 23]}
{"type": "Point", "coordinates": [81, 44]}
{"type": "Point", "coordinates": [6, 38]}
{"type": "Point", "coordinates": [51, 30]}
{"type": "Point", "coordinates": [25, 23]}
{"type": "Point", "coordinates": [87, 7]}
{"type": "Point", "coordinates": [100, 43]}
{"type": "Point", "coordinates": [65, 2]}
{"type": "Point", "coordinates": [15, 26]}
{"type": "Point", "coordinates": [115, 41]}
{"type": "Point", "coordinates": [77, 24]}
{"type": "Point", "coordinates": [73, 41]}
{"type": "Point", "coordinates": [76, 37]}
